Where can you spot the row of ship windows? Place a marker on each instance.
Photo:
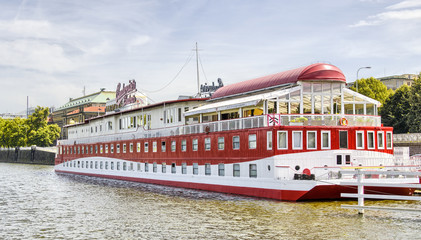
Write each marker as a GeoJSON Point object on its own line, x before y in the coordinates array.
{"type": "Point", "coordinates": [282, 142]}
{"type": "Point", "coordinates": [163, 167]}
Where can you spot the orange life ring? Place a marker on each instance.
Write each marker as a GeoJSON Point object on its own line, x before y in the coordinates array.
{"type": "Point", "coordinates": [344, 122]}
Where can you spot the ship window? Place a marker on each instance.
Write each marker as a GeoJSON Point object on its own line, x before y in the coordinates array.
{"type": "Point", "coordinates": [106, 148]}
{"type": "Point", "coordinates": [343, 139]}
{"type": "Point", "coordinates": [118, 166]}
{"type": "Point", "coordinates": [221, 143]}
{"type": "Point", "coordinates": [325, 139]}
{"type": "Point", "coordinates": [124, 166]}
{"type": "Point", "coordinates": [207, 169]}
{"type": "Point", "coordinates": [338, 159]}
{"type": "Point", "coordinates": [92, 149]}
{"type": "Point", "coordinates": [380, 140]}
{"type": "Point", "coordinates": [101, 165]}
{"type": "Point", "coordinates": [370, 140]}
{"type": "Point", "coordinates": [221, 169]}
{"type": "Point", "coordinates": [155, 167]}
{"type": "Point", "coordinates": [131, 166]}
{"type": "Point", "coordinates": [253, 170]}
{"type": "Point", "coordinates": [360, 139]}
{"type": "Point", "coordinates": [389, 140]}
{"type": "Point", "coordinates": [179, 114]}
{"type": "Point", "coordinates": [78, 150]}
{"type": "Point", "coordinates": [154, 146]}
{"type": "Point", "coordinates": [96, 165]}
{"type": "Point", "coordinates": [252, 141]}
{"type": "Point", "coordinates": [195, 144]}
{"type": "Point", "coordinates": [236, 170]}
{"type": "Point", "coordinates": [106, 165]}
{"type": "Point", "coordinates": [183, 145]}
{"type": "Point", "coordinates": [163, 146]}
{"type": "Point", "coordinates": [164, 167]}
{"type": "Point", "coordinates": [173, 146]}
{"type": "Point", "coordinates": [118, 148]}
{"type": "Point", "coordinates": [138, 147]}
{"type": "Point", "coordinates": [195, 168]}
{"type": "Point", "coordinates": [348, 159]}
{"type": "Point", "coordinates": [173, 168]}
{"type": "Point", "coordinates": [146, 167]}
{"type": "Point", "coordinates": [146, 147]}
{"type": "Point", "coordinates": [282, 140]}
{"type": "Point", "coordinates": [297, 139]}
{"type": "Point", "coordinates": [269, 140]}
{"type": "Point", "coordinates": [96, 149]}
{"type": "Point", "coordinates": [83, 150]}
{"type": "Point", "coordinates": [184, 168]}
{"type": "Point", "coordinates": [112, 166]}
{"type": "Point", "coordinates": [131, 147]}
{"type": "Point", "coordinates": [124, 148]}
{"type": "Point", "coordinates": [112, 148]}
{"type": "Point", "coordinates": [101, 149]}
{"type": "Point", "coordinates": [236, 142]}
{"type": "Point", "coordinates": [207, 144]}
{"type": "Point", "coordinates": [311, 140]}
{"type": "Point", "coordinates": [138, 167]}
{"type": "Point", "coordinates": [91, 165]}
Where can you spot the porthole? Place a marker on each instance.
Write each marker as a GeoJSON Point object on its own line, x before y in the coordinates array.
{"type": "Point", "coordinates": [297, 167]}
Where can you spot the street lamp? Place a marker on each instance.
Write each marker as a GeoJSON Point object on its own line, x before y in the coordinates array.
{"type": "Point", "coordinates": [357, 74]}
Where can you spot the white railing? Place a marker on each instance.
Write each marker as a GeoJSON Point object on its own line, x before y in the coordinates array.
{"type": "Point", "coordinates": [359, 174]}
{"type": "Point", "coordinates": [233, 124]}
{"type": "Point", "coordinates": [330, 120]}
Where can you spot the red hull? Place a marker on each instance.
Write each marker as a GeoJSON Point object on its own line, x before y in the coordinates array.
{"type": "Point", "coordinates": [321, 192]}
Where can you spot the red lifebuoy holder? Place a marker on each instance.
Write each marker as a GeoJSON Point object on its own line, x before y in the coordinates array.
{"type": "Point", "coordinates": [307, 172]}
{"type": "Point", "coordinates": [343, 122]}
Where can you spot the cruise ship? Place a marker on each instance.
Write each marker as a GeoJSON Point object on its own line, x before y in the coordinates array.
{"type": "Point", "coordinates": [285, 136]}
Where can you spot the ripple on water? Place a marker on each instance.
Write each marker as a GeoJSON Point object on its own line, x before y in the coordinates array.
{"type": "Point", "coordinates": [37, 203]}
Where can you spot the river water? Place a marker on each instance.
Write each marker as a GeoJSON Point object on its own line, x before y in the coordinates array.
{"type": "Point", "coordinates": [36, 203]}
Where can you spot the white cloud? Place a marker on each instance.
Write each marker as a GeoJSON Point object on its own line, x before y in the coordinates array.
{"type": "Point", "coordinates": [405, 4]}
{"type": "Point", "coordinates": [390, 16]}
{"type": "Point", "coordinates": [35, 55]}
{"type": "Point", "coordinates": [138, 41]}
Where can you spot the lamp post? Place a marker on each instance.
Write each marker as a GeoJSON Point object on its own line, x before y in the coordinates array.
{"type": "Point", "coordinates": [357, 74]}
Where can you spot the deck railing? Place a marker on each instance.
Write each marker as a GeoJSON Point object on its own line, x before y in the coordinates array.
{"type": "Point", "coordinates": [235, 124]}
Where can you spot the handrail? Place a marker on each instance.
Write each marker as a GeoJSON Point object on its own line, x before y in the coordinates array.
{"type": "Point", "coordinates": [234, 124]}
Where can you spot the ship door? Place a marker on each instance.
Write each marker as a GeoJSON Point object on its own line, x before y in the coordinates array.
{"type": "Point", "coordinates": [343, 159]}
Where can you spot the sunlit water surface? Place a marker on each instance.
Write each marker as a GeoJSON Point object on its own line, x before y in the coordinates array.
{"type": "Point", "coordinates": [35, 203]}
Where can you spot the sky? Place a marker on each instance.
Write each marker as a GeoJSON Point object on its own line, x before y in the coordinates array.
{"type": "Point", "coordinates": [50, 50]}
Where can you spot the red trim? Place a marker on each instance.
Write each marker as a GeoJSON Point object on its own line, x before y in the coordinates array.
{"type": "Point", "coordinates": [285, 195]}
{"type": "Point", "coordinates": [317, 193]}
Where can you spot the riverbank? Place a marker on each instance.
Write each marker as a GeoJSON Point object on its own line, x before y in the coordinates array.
{"type": "Point", "coordinates": [28, 155]}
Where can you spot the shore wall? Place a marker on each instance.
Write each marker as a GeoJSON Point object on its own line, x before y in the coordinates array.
{"type": "Point", "coordinates": [28, 155]}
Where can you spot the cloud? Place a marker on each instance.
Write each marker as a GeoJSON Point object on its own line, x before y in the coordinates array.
{"type": "Point", "coordinates": [138, 41]}
{"type": "Point", "coordinates": [390, 16]}
{"type": "Point", "coordinates": [405, 4]}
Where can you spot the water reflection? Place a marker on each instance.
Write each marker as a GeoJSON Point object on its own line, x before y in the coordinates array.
{"type": "Point", "coordinates": [37, 203]}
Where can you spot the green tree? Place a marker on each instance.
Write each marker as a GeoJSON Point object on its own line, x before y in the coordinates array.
{"type": "Point", "coordinates": [414, 116]}
{"type": "Point", "coordinates": [373, 88]}
{"type": "Point", "coordinates": [15, 131]}
{"type": "Point", "coordinates": [39, 133]}
{"type": "Point", "coordinates": [396, 109]}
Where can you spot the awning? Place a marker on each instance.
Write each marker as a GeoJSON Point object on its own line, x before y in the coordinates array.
{"type": "Point", "coordinates": [238, 102]}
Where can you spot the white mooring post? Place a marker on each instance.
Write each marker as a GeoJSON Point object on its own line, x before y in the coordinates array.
{"type": "Point", "coordinates": [360, 191]}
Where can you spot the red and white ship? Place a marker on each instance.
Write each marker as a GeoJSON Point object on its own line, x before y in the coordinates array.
{"type": "Point", "coordinates": [284, 136]}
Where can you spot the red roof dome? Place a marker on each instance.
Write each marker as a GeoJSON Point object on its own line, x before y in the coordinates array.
{"type": "Point", "coordinates": [318, 71]}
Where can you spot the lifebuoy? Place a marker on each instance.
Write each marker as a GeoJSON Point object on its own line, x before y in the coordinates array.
{"type": "Point", "coordinates": [344, 122]}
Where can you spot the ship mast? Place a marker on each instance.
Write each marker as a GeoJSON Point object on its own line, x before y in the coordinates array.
{"type": "Point", "coordinates": [197, 70]}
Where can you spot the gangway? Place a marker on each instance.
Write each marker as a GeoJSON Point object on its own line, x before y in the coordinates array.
{"type": "Point", "coordinates": [361, 184]}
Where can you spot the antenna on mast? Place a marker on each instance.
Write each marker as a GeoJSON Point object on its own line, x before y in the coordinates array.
{"type": "Point", "coordinates": [197, 70]}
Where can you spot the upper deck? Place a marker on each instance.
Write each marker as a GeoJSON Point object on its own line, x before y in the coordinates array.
{"type": "Point", "coordinates": [315, 95]}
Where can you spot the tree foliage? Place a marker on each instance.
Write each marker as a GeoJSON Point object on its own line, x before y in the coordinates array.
{"type": "Point", "coordinates": [373, 88]}
{"type": "Point", "coordinates": [414, 118]}
{"type": "Point", "coordinates": [396, 109]}
{"type": "Point", "coordinates": [20, 132]}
